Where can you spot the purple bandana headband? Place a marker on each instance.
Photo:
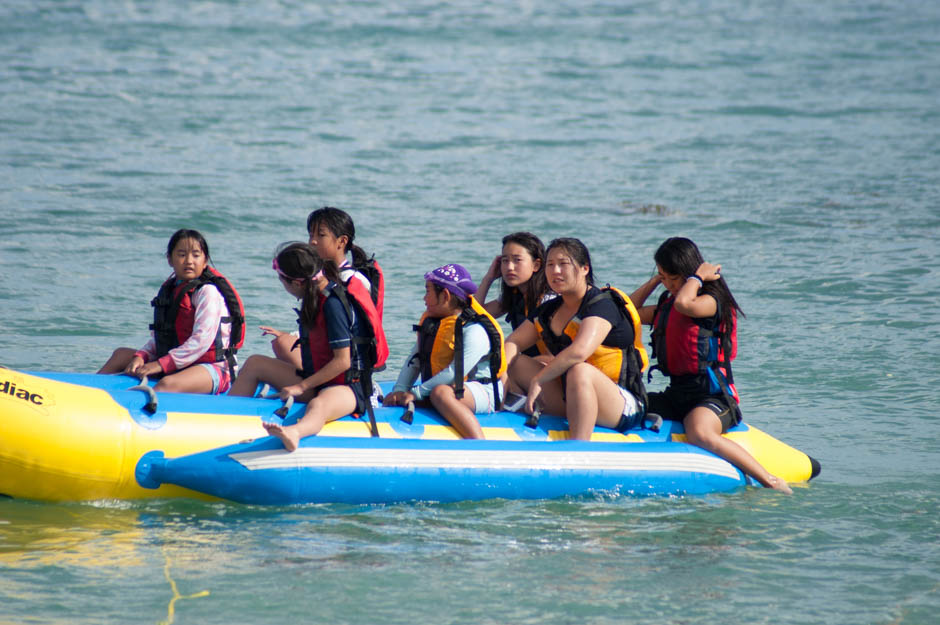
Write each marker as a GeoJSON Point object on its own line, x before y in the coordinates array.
{"type": "Point", "coordinates": [455, 278]}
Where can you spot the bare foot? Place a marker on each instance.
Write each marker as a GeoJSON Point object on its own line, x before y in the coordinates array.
{"type": "Point", "coordinates": [287, 435]}
{"type": "Point", "coordinates": [778, 484]}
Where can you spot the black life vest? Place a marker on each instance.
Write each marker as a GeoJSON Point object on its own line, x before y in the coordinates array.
{"type": "Point", "coordinates": [174, 317]}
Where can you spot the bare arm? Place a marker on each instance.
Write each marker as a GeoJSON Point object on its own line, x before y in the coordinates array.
{"type": "Point", "coordinates": [640, 296]}
{"type": "Point", "coordinates": [523, 337]}
{"type": "Point", "coordinates": [697, 305]}
{"type": "Point", "coordinates": [592, 332]}
{"type": "Point", "coordinates": [494, 307]}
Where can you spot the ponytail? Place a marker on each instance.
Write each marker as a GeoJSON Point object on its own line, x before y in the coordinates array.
{"type": "Point", "coordinates": [359, 256]}
{"type": "Point", "coordinates": [340, 224]}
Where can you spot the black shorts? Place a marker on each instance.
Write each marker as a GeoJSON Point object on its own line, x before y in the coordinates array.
{"type": "Point", "coordinates": [677, 406]}
{"type": "Point", "coordinates": [361, 398]}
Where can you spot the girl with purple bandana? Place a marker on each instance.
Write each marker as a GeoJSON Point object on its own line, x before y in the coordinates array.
{"type": "Point", "coordinates": [455, 335]}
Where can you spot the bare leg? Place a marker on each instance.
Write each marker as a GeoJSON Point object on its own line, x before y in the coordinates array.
{"type": "Point", "coordinates": [521, 372]}
{"type": "Point", "coordinates": [458, 412]}
{"type": "Point", "coordinates": [263, 369]}
{"type": "Point", "coordinates": [592, 398]}
{"type": "Point", "coordinates": [330, 404]}
{"type": "Point", "coordinates": [703, 429]}
{"type": "Point", "coordinates": [119, 360]}
{"type": "Point", "coordinates": [190, 380]}
{"type": "Point", "coordinates": [282, 347]}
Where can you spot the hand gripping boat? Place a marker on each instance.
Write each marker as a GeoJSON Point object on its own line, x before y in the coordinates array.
{"type": "Point", "coordinates": [81, 437]}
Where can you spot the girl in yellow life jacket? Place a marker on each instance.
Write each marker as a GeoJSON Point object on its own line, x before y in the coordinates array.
{"type": "Point", "coordinates": [592, 356]}
{"type": "Point", "coordinates": [449, 362]}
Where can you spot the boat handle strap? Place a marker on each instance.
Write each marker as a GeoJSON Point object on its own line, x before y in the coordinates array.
{"type": "Point", "coordinates": [409, 414]}
{"type": "Point", "coordinates": [151, 406]}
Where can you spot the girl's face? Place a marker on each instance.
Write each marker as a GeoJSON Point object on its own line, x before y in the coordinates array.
{"type": "Point", "coordinates": [294, 287]}
{"type": "Point", "coordinates": [437, 304]}
{"type": "Point", "coordinates": [671, 281]}
{"type": "Point", "coordinates": [188, 259]}
{"type": "Point", "coordinates": [563, 274]}
{"type": "Point", "coordinates": [517, 265]}
{"type": "Point", "coordinates": [328, 245]}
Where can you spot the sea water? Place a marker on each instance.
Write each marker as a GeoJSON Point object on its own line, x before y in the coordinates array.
{"type": "Point", "coordinates": [797, 143]}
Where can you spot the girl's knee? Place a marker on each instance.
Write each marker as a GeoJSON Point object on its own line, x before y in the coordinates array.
{"type": "Point", "coordinates": [702, 436]}
{"type": "Point", "coordinates": [442, 393]}
{"type": "Point", "coordinates": [254, 360]}
{"type": "Point", "coordinates": [580, 375]}
{"type": "Point", "coordinates": [254, 363]}
{"type": "Point", "coordinates": [283, 346]}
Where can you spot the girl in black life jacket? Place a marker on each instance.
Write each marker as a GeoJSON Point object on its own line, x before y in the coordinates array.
{"type": "Point", "coordinates": [196, 325]}
{"type": "Point", "coordinates": [694, 340]}
{"type": "Point", "coordinates": [331, 233]}
{"type": "Point", "coordinates": [523, 281]}
{"type": "Point", "coordinates": [329, 331]}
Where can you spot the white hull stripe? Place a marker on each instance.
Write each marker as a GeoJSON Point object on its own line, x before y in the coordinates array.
{"type": "Point", "coordinates": [489, 460]}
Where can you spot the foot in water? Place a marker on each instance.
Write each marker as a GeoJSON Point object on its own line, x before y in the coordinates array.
{"type": "Point", "coordinates": [287, 435]}
{"type": "Point", "coordinates": [776, 483]}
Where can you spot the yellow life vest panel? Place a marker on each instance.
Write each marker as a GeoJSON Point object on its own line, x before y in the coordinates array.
{"type": "Point", "coordinates": [438, 344]}
{"type": "Point", "coordinates": [623, 365]}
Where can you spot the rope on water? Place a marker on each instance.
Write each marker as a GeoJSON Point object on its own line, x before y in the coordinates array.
{"type": "Point", "coordinates": [171, 608]}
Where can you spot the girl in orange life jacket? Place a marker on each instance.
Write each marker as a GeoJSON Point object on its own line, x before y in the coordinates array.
{"type": "Point", "coordinates": [580, 327]}
{"type": "Point", "coordinates": [694, 340]}
{"type": "Point", "coordinates": [448, 298]}
{"type": "Point", "coordinates": [332, 232]}
{"type": "Point", "coordinates": [325, 320]}
{"type": "Point", "coordinates": [194, 353]}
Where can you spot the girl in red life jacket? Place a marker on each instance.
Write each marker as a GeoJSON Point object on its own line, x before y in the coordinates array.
{"type": "Point", "coordinates": [523, 281]}
{"type": "Point", "coordinates": [329, 329]}
{"type": "Point", "coordinates": [331, 233]}
{"type": "Point", "coordinates": [192, 351]}
{"type": "Point", "coordinates": [694, 341]}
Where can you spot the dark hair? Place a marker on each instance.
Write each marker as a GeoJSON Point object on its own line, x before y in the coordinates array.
{"type": "Point", "coordinates": [578, 253]}
{"type": "Point", "coordinates": [184, 233]}
{"type": "Point", "coordinates": [681, 257]}
{"type": "Point", "coordinates": [339, 223]}
{"type": "Point", "coordinates": [459, 302]}
{"type": "Point", "coordinates": [537, 286]}
{"type": "Point", "coordinates": [300, 261]}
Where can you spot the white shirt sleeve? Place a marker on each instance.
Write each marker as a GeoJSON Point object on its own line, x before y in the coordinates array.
{"type": "Point", "coordinates": [210, 308]}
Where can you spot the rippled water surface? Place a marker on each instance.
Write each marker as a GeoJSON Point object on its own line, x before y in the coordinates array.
{"type": "Point", "coordinates": [797, 143]}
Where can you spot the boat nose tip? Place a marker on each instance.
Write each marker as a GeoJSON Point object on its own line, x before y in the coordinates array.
{"type": "Point", "coordinates": [816, 467]}
{"type": "Point", "coordinates": [149, 470]}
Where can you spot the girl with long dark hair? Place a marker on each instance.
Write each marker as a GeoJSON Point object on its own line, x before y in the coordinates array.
{"type": "Point", "coordinates": [694, 341]}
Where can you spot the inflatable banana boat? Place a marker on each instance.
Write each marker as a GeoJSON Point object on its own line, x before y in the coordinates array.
{"type": "Point", "coordinates": [83, 437]}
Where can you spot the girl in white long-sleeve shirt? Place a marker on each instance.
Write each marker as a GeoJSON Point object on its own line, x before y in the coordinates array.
{"type": "Point", "coordinates": [191, 348]}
